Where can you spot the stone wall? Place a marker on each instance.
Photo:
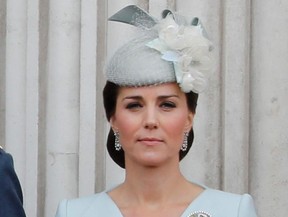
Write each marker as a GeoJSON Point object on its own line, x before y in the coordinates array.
{"type": "Point", "coordinates": [52, 56]}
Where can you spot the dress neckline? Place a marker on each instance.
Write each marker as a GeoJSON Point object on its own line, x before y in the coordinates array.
{"type": "Point", "coordinates": [186, 213]}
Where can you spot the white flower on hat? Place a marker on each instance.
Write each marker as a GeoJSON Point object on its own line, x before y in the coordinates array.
{"type": "Point", "coordinates": [189, 51]}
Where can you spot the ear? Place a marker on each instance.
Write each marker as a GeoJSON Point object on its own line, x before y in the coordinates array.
{"type": "Point", "coordinates": [189, 122]}
{"type": "Point", "coordinates": [112, 123]}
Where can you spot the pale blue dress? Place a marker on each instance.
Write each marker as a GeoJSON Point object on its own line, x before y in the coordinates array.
{"type": "Point", "coordinates": [210, 203]}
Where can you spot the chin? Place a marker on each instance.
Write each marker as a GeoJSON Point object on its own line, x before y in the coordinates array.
{"type": "Point", "coordinates": [153, 161]}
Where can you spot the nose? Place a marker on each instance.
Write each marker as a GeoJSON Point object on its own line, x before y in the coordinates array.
{"type": "Point", "coordinates": [151, 120]}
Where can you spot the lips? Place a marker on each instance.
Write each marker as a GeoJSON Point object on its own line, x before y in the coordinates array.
{"type": "Point", "coordinates": [150, 141]}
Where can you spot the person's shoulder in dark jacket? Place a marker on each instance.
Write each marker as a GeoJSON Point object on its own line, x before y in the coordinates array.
{"type": "Point", "coordinates": [11, 198]}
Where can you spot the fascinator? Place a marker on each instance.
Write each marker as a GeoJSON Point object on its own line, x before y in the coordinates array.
{"type": "Point", "coordinates": [166, 50]}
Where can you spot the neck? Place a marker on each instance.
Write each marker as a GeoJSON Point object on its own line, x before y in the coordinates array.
{"type": "Point", "coordinates": [150, 184]}
{"type": "Point", "coordinates": [153, 190]}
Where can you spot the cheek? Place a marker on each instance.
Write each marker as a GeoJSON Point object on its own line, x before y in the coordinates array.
{"type": "Point", "coordinates": [127, 125]}
{"type": "Point", "coordinates": [176, 125]}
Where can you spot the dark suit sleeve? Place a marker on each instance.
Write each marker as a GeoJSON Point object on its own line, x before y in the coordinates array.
{"type": "Point", "coordinates": [11, 198]}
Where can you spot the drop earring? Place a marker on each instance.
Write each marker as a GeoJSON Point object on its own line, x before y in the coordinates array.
{"type": "Point", "coordinates": [117, 142]}
{"type": "Point", "coordinates": [185, 142]}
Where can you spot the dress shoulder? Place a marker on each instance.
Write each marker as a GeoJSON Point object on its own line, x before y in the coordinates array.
{"type": "Point", "coordinates": [95, 205]}
{"type": "Point", "coordinates": [75, 207]}
{"type": "Point", "coordinates": [246, 207]}
{"type": "Point", "coordinates": [224, 204]}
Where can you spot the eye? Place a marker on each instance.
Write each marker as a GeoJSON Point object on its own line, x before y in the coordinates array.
{"type": "Point", "coordinates": [133, 105]}
{"type": "Point", "coordinates": [167, 105]}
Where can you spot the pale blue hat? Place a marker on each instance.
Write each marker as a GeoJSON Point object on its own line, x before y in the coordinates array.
{"type": "Point", "coordinates": [149, 60]}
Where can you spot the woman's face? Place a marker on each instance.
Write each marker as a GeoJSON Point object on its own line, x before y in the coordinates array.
{"type": "Point", "coordinates": [151, 122]}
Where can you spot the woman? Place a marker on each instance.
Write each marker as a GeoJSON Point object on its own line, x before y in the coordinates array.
{"type": "Point", "coordinates": [150, 100]}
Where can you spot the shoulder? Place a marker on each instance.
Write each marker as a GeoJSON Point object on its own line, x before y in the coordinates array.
{"type": "Point", "coordinates": [5, 156]}
{"type": "Point", "coordinates": [10, 191]}
{"type": "Point", "coordinates": [229, 204]}
{"type": "Point", "coordinates": [6, 165]}
{"type": "Point", "coordinates": [83, 206]}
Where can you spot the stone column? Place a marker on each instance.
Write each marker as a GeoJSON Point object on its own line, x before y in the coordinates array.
{"type": "Point", "coordinates": [15, 118]}
{"type": "Point", "coordinates": [235, 95]}
{"type": "Point", "coordinates": [87, 141]}
{"type": "Point", "coordinates": [269, 119]}
{"type": "Point", "coordinates": [32, 108]}
{"type": "Point", "coordinates": [2, 69]}
{"type": "Point", "coordinates": [62, 116]}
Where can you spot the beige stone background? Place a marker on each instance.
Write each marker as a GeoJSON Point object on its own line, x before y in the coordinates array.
{"type": "Point", "coordinates": [52, 55]}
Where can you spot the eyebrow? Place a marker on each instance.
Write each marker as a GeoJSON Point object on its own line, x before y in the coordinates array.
{"type": "Point", "coordinates": [132, 97]}
{"type": "Point", "coordinates": [136, 97]}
